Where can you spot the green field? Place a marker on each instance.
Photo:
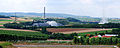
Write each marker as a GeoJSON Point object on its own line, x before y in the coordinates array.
{"type": "Point", "coordinates": [66, 47]}
{"type": "Point", "coordinates": [5, 44]}
{"type": "Point", "coordinates": [26, 33]}
{"type": "Point", "coordinates": [20, 33]}
{"type": "Point", "coordinates": [2, 23]}
{"type": "Point", "coordinates": [93, 33]}
{"type": "Point", "coordinates": [6, 20]}
{"type": "Point", "coordinates": [48, 42]}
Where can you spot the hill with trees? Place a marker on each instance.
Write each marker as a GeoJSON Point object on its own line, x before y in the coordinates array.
{"type": "Point", "coordinates": [3, 16]}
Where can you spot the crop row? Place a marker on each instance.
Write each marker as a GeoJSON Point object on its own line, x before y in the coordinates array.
{"type": "Point", "coordinates": [21, 35]}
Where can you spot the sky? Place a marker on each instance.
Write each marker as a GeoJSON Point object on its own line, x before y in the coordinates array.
{"type": "Point", "coordinates": [92, 8]}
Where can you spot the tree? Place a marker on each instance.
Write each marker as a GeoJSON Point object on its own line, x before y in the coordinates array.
{"type": "Point", "coordinates": [82, 40]}
{"type": "Point", "coordinates": [44, 29]}
{"type": "Point", "coordinates": [3, 16]}
{"type": "Point", "coordinates": [114, 40]}
{"type": "Point", "coordinates": [87, 40]}
{"type": "Point", "coordinates": [76, 40]}
{"type": "Point", "coordinates": [96, 34]}
{"type": "Point", "coordinates": [72, 35]}
{"type": "Point", "coordinates": [103, 40]}
{"type": "Point", "coordinates": [92, 40]}
{"type": "Point", "coordinates": [116, 31]}
{"type": "Point", "coordinates": [13, 25]}
{"type": "Point", "coordinates": [97, 41]}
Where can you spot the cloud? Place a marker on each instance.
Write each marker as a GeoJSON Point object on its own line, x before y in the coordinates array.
{"type": "Point", "coordinates": [22, 5]}
{"type": "Point", "coordinates": [77, 7]}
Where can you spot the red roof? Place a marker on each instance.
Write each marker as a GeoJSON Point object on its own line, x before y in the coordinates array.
{"type": "Point", "coordinates": [94, 36]}
{"type": "Point", "coordinates": [102, 36]}
{"type": "Point", "coordinates": [106, 36]}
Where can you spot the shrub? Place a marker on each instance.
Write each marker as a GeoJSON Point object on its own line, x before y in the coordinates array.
{"type": "Point", "coordinates": [13, 25]}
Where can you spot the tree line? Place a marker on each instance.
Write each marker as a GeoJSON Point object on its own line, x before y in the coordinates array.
{"type": "Point", "coordinates": [6, 35]}
{"type": "Point", "coordinates": [3, 16]}
{"type": "Point", "coordinates": [96, 41]}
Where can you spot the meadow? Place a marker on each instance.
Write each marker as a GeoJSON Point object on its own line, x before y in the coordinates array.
{"type": "Point", "coordinates": [21, 35]}
{"type": "Point", "coordinates": [93, 33]}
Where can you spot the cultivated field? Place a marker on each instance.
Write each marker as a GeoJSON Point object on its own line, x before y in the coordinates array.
{"type": "Point", "coordinates": [17, 29]}
{"type": "Point", "coordinates": [7, 20]}
{"type": "Point", "coordinates": [1, 25]}
{"type": "Point", "coordinates": [68, 46]}
{"type": "Point", "coordinates": [65, 47]}
{"type": "Point", "coordinates": [62, 30]}
{"type": "Point", "coordinates": [74, 30]}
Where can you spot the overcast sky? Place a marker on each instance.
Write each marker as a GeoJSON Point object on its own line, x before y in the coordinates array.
{"type": "Point", "coordinates": [92, 8]}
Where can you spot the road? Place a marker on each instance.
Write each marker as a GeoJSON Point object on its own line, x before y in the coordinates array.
{"type": "Point", "coordinates": [64, 45]}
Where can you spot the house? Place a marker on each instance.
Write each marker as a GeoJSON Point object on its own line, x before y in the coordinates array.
{"type": "Point", "coordinates": [106, 35]}
{"type": "Point", "coordinates": [111, 34]}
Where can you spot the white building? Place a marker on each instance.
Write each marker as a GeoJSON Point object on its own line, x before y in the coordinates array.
{"type": "Point", "coordinates": [54, 23]}
{"type": "Point", "coordinates": [111, 34]}
{"type": "Point", "coordinates": [48, 23]}
{"type": "Point", "coordinates": [40, 24]}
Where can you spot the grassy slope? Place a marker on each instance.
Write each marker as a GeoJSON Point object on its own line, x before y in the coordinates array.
{"type": "Point", "coordinates": [5, 44]}
{"type": "Point", "coordinates": [2, 23]}
{"type": "Point", "coordinates": [39, 33]}
{"type": "Point", "coordinates": [21, 33]}
{"type": "Point", "coordinates": [6, 20]}
{"type": "Point", "coordinates": [93, 33]}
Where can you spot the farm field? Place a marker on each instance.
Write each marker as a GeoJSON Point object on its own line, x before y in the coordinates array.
{"type": "Point", "coordinates": [93, 33]}
{"type": "Point", "coordinates": [74, 30]}
{"type": "Point", "coordinates": [7, 20]}
{"type": "Point", "coordinates": [19, 32]}
{"type": "Point", "coordinates": [69, 46]}
{"type": "Point", "coordinates": [4, 21]}
{"type": "Point", "coordinates": [21, 35]}
{"type": "Point", "coordinates": [1, 25]}
{"type": "Point", "coordinates": [6, 45]}
{"type": "Point", "coordinates": [17, 29]}
{"type": "Point", "coordinates": [64, 47]}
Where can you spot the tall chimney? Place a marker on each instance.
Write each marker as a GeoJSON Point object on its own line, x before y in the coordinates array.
{"type": "Point", "coordinates": [44, 15]}
{"type": "Point", "coordinates": [44, 12]}
{"type": "Point", "coordinates": [15, 18]}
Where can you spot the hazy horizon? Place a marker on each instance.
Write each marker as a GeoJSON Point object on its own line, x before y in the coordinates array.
{"type": "Point", "coordinates": [92, 8]}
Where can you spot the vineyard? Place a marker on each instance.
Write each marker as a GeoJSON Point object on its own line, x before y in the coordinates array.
{"type": "Point", "coordinates": [21, 35]}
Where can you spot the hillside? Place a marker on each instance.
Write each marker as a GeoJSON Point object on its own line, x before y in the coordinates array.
{"type": "Point", "coordinates": [59, 15]}
{"type": "Point", "coordinates": [38, 14]}
{"type": "Point", "coordinates": [48, 15]}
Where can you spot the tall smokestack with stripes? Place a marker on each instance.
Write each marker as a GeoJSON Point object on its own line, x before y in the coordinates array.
{"type": "Point", "coordinates": [103, 19]}
{"type": "Point", "coordinates": [15, 17]}
{"type": "Point", "coordinates": [44, 14]}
